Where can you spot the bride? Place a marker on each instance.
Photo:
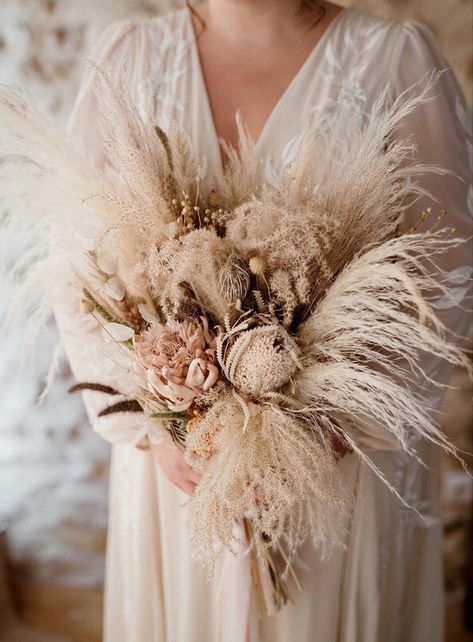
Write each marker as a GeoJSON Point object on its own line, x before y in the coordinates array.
{"type": "Point", "coordinates": [280, 63]}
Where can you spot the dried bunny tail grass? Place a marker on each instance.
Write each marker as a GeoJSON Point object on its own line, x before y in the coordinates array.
{"type": "Point", "coordinates": [48, 196]}
{"type": "Point", "coordinates": [275, 472]}
{"type": "Point", "coordinates": [363, 345]}
{"type": "Point", "coordinates": [238, 180]}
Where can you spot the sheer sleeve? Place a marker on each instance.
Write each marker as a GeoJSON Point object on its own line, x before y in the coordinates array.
{"type": "Point", "coordinates": [440, 130]}
{"type": "Point", "coordinates": [118, 49]}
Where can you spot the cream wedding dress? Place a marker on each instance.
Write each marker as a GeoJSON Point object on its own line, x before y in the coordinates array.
{"type": "Point", "coordinates": [386, 586]}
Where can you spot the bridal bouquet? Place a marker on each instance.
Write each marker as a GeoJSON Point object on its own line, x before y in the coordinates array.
{"type": "Point", "coordinates": [255, 325]}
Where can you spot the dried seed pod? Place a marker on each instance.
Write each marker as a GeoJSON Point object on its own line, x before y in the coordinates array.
{"type": "Point", "coordinates": [233, 279]}
{"type": "Point", "coordinates": [214, 198]}
{"type": "Point", "coordinates": [188, 309]}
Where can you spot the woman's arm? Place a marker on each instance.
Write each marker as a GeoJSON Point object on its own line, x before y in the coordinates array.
{"type": "Point", "coordinates": [119, 50]}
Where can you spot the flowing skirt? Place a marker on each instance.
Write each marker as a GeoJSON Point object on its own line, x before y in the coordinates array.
{"type": "Point", "coordinates": [384, 586]}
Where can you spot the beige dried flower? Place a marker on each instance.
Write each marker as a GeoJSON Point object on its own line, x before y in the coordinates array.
{"type": "Point", "coordinates": [262, 360]}
{"type": "Point", "coordinates": [257, 265]}
{"type": "Point", "coordinates": [179, 359]}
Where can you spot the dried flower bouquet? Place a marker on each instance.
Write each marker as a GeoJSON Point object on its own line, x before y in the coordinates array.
{"type": "Point", "coordinates": [249, 320]}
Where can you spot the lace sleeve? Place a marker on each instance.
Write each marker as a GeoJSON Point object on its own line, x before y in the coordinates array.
{"type": "Point", "coordinates": [441, 132]}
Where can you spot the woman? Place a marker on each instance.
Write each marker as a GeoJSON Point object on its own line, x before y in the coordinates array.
{"type": "Point", "coordinates": [280, 63]}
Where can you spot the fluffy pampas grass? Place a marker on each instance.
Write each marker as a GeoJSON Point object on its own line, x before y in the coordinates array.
{"type": "Point", "coordinates": [47, 195]}
{"type": "Point", "coordinates": [274, 473]}
{"type": "Point", "coordinates": [365, 345]}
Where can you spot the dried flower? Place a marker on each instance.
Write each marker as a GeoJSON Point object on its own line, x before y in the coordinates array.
{"type": "Point", "coordinates": [205, 445]}
{"type": "Point", "coordinates": [180, 359]}
{"type": "Point", "coordinates": [233, 279]}
{"type": "Point", "coordinates": [257, 265]}
{"type": "Point", "coordinates": [262, 360]}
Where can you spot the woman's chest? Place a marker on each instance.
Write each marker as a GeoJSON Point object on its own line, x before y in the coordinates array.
{"type": "Point", "coordinates": [340, 81]}
{"type": "Point", "coordinates": [238, 87]}
{"type": "Point", "coordinates": [248, 79]}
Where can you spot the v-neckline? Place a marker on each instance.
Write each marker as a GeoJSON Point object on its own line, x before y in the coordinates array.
{"type": "Point", "coordinates": [281, 100]}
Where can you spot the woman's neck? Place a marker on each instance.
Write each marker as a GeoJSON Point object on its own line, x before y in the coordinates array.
{"type": "Point", "coordinates": [259, 23]}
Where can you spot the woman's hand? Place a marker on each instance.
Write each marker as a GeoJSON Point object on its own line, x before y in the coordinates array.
{"type": "Point", "coordinates": [176, 469]}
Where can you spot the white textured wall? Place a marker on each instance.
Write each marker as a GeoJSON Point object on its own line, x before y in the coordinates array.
{"type": "Point", "coordinates": [53, 468]}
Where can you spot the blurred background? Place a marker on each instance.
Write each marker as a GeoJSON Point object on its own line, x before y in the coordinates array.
{"type": "Point", "coordinates": [53, 468]}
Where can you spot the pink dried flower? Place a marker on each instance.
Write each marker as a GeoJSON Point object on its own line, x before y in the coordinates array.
{"type": "Point", "coordinates": [180, 359]}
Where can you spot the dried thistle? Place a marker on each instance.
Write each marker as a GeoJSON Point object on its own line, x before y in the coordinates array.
{"type": "Point", "coordinates": [233, 279]}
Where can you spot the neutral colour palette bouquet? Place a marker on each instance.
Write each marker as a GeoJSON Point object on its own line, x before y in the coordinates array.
{"type": "Point", "coordinates": [254, 325]}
